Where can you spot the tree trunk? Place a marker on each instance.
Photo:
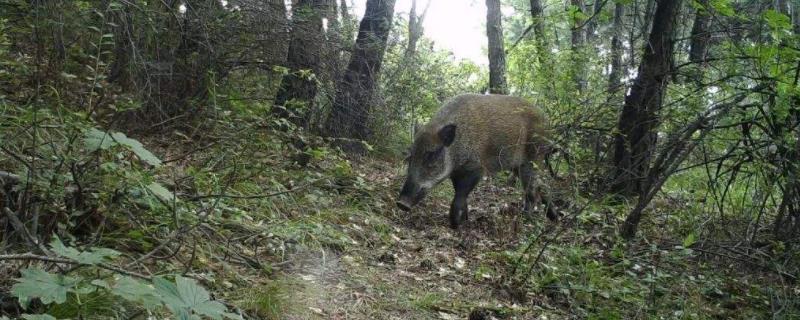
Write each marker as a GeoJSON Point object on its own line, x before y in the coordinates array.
{"type": "Point", "coordinates": [615, 74]}
{"type": "Point", "coordinates": [537, 13]}
{"type": "Point", "coordinates": [700, 35]}
{"type": "Point", "coordinates": [577, 42]}
{"type": "Point", "coordinates": [577, 35]}
{"type": "Point", "coordinates": [119, 72]}
{"type": "Point", "coordinates": [354, 99]}
{"type": "Point", "coordinates": [638, 120]}
{"type": "Point", "coordinates": [591, 27]}
{"type": "Point", "coordinates": [796, 18]}
{"type": "Point", "coordinates": [299, 87]}
{"type": "Point", "coordinates": [415, 28]}
{"type": "Point", "coordinates": [497, 54]}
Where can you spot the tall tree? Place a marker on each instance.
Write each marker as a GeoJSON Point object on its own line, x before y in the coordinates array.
{"type": "Point", "coordinates": [638, 121]}
{"type": "Point", "coordinates": [576, 43]}
{"type": "Point", "coordinates": [299, 87]}
{"type": "Point", "coordinates": [615, 74]}
{"type": "Point", "coordinates": [700, 35]}
{"type": "Point", "coordinates": [591, 25]}
{"type": "Point", "coordinates": [354, 98]}
{"type": "Point", "coordinates": [415, 28]}
{"type": "Point", "coordinates": [497, 53]}
{"type": "Point", "coordinates": [575, 33]}
{"type": "Point", "coordinates": [537, 13]}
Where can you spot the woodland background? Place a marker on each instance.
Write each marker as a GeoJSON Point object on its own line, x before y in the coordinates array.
{"type": "Point", "coordinates": [239, 159]}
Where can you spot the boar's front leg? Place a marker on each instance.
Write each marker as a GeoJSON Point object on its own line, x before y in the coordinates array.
{"type": "Point", "coordinates": [463, 183]}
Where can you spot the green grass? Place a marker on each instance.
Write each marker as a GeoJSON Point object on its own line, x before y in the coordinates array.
{"type": "Point", "coordinates": [267, 301]}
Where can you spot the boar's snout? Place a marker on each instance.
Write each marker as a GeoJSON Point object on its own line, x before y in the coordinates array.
{"type": "Point", "coordinates": [410, 195]}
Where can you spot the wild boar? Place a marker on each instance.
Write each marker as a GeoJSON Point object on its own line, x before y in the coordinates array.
{"type": "Point", "coordinates": [473, 136]}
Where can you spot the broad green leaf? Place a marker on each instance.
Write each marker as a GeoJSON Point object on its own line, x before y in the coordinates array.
{"type": "Point", "coordinates": [137, 148]}
{"type": "Point", "coordinates": [137, 291]}
{"type": "Point", "coordinates": [159, 191]}
{"type": "Point", "coordinates": [94, 256]}
{"type": "Point", "coordinates": [168, 293]}
{"type": "Point", "coordinates": [186, 296]}
{"type": "Point", "coordinates": [37, 283]}
{"type": "Point", "coordinates": [95, 140]}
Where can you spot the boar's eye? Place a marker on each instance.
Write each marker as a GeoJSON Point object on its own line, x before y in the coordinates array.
{"type": "Point", "coordinates": [431, 156]}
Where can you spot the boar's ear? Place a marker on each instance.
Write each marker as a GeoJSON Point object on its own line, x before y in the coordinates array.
{"type": "Point", "coordinates": [447, 134]}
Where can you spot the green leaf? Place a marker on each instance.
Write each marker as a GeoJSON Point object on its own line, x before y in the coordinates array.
{"type": "Point", "coordinates": [37, 283]}
{"type": "Point", "coordinates": [162, 193]}
{"type": "Point", "coordinates": [723, 7]}
{"type": "Point", "coordinates": [94, 256]}
{"type": "Point", "coordinates": [137, 148]}
{"type": "Point", "coordinates": [95, 140]}
{"type": "Point", "coordinates": [134, 290]}
{"type": "Point", "coordinates": [185, 296]}
{"type": "Point", "coordinates": [689, 240]}
{"type": "Point", "coordinates": [777, 21]}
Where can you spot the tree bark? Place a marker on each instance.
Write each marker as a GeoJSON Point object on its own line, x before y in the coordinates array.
{"type": "Point", "coordinates": [591, 27]}
{"type": "Point", "coordinates": [537, 13]}
{"type": "Point", "coordinates": [577, 42]}
{"type": "Point", "coordinates": [700, 35]}
{"type": "Point", "coordinates": [497, 54]}
{"type": "Point", "coordinates": [415, 29]}
{"type": "Point", "coordinates": [638, 121]}
{"type": "Point", "coordinates": [354, 98]}
{"type": "Point", "coordinates": [576, 34]}
{"type": "Point", "coordinates": [298, 87]}
{"type": "Point", "coordinates": [615, 74]}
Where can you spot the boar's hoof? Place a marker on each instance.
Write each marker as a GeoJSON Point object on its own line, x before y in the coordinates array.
{"type": "Point", "coordinates": [403, 206]}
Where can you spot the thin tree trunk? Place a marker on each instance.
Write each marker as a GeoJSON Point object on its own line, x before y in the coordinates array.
{"type": "Point", "coordinates": [591, 27]}
{"type": "Point", "coordinates": [354, 99]}
{"type": "Point", "coordinates": [576, 44]}
{"type": "Point", "coordinates": [577, 35]}
{"type": "Point", "coordinates": [497, 54]}
{"type": "Point", "coordinates": [298, 87]}
{"type": "Point", "coordinates": [347, 20]}
{"type": "Point", "coordinates": [638, 120]}
{"type": "Point", "coordinates": [615, 74]}
{"type": "Point", "coordinates": [700, 35]}
{"type": "Point", "coordinates": [415, 29]}
{"type": "Point", "coordinates": [537, 13]}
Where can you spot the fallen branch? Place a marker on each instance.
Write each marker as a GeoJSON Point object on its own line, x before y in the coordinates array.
{"type": "Point", "coordinates": [33, 242]}
{"type": "Point", "coordinates": [255, 196]}
{"type": "Point", "coordinates": [31, 256]}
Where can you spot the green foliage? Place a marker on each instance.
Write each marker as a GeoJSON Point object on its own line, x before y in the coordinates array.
{"type": "Point", "coordinates": [94, 256]}
{"type": "Point", "coordinates": [49, 288]}
{"type": "Point", "coordinates": [269, 301]}
{"type": "Point", "coordinates": [183, 297]}
{"type": "Point", "coordinates": [96, 140]}
{"type": "Point", "coordinates": [187, 300]}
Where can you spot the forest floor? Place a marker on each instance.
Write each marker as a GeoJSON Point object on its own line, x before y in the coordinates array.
{"type": "Point", "coordinates": [397, 265]}
{"type": "Point", "coordinates": [412, 265]}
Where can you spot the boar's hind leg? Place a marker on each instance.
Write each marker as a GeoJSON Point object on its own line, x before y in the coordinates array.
{"type": "Point", "coordinates": [463, 183]}
{"type": "Point", "coordinates": [534, 193]}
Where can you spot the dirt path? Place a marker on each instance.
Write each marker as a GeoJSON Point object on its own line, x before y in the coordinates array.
{"type": "Point", "coordinates": [414, 266]}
